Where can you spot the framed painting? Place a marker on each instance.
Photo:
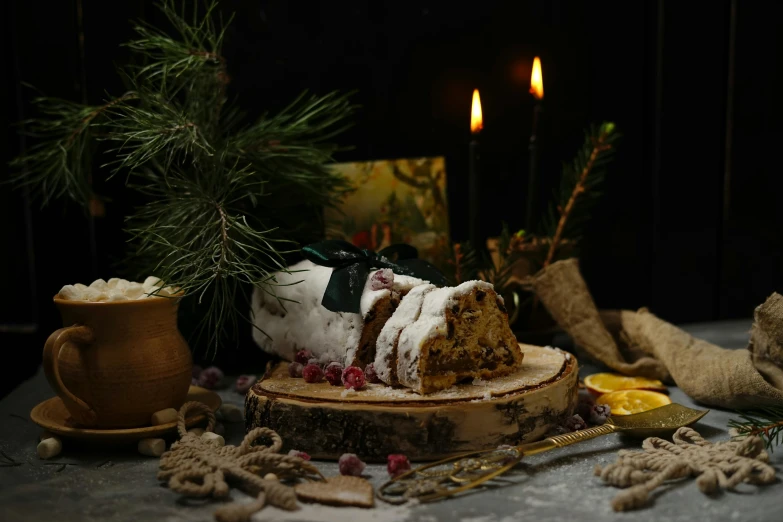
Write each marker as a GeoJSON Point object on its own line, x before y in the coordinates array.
{"type": "Point", "coordinates": [394, 201]}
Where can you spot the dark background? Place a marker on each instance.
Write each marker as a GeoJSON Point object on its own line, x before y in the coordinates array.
{"type": "Point", "coordinates": [689, 224]}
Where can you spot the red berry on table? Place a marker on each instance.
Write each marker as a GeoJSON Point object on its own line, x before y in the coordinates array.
{"type": "Point", "coordinates": [574, 423]}
{"type": "Point", "coordinates": [210, 378]}
{"type": "Point", "coordinates": [585, 403]}
{"type": "Point", "coordinates": [312, 373]}
{"type": "Point", "coordinates": [370, 374]}
{"type": "Point", "coordinates": [302, 356]}
{"type": "Point", "coordinates": [301, 454]}
{"type": "Point", "coordinates": [397, 463]}
{"type": "Point", "coordinates": [334, 373]}
{"type": "Point", "coordinates": [353, 377]}
{"type": "Point", "coordinates": [599, 414]}
{"type": "Point", "coordinates": [295, 369]}
{"type": "Point", "coordinates": [350, 464]}
{"type": "Point", "coordinates": [244, 383]}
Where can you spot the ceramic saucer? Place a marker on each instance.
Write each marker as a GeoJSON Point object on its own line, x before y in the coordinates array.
{"type": "Point", "coordinates": [54, 417]}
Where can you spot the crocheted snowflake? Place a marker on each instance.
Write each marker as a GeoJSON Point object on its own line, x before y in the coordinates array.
{"type": "Point", "coordinates": [722, 465]}
{"type": "Point", "coordinates": [195, 467]}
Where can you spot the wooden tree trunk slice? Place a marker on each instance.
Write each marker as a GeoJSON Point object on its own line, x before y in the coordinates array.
{"type": "Point", "coordinates": [326, 421]}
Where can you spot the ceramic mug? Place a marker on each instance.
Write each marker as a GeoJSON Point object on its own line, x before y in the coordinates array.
{"type": "Point", "coordinates": [116, 363]}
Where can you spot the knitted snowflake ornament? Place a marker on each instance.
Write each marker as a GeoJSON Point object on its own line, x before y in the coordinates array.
{"type": "Point", "coordinates": [194, 467]}
{"type": "Point", "coordinates": [721, 465]}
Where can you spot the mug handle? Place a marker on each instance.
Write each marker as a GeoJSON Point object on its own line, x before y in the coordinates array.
{"type": "Point", "coordinates": [81, 335]}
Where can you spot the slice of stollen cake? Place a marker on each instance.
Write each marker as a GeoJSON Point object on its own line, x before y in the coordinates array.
{"type": "Point", "coordinates": [386, 348]}
{"type": "Point", "coordinates": [461, 332]}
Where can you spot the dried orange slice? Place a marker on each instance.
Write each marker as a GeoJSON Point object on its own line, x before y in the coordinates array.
{"type": "Point", "coordinates": [600, 383]}
{"type": "Point", "coordinates": [626, 402]}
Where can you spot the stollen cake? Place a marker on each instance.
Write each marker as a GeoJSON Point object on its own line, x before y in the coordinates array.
{"type": "Point", "coordinates": [289, 317]}
{"type": "Point", "coordinates": [460, 332]}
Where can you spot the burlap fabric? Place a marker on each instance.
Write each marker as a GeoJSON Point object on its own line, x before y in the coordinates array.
{"type": "Point", "coordinates": [639, 343]}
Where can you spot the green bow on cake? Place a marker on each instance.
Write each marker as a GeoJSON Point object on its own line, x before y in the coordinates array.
{"type": "Point", "coordinates": [352, 266]}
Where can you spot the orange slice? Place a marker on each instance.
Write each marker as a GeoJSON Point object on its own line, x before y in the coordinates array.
{"type": "Point", "coordinates": [599, 383]}
{"type": "Point", "coordinates": [627, 402]}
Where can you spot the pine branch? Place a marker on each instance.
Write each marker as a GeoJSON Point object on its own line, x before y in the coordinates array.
{"type": "Point", "coordinates": [225, 199]}
{"type": "Point", "coordinates": [200, 238]}
{"type": "Point", "coordinates": [500, 274]}
{"type": "Point", "coordinates": [766, 423]}
{"type": "Point", "coordinates": [463, 263]}
{"type": "Point", "coordinates": [468, 265]}
{"type": "Point", "coordinates": [578, 186]}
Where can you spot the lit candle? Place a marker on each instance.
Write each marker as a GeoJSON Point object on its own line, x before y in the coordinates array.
{"type": "Point", "coordinates": [476, 124]}
{"type": "Point", "coordinates": [537, 90]}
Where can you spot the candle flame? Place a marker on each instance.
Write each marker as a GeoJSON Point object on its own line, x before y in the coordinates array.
{"type": "Point", "coordinates": [537, 80]}
{"type": "Point", "coordinates": [476, 120]}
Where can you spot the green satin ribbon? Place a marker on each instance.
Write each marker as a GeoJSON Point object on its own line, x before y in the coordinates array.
{"type": "Point", "coordinates": [352, 266]}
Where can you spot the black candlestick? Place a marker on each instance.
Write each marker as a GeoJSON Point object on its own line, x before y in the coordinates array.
{"type": "Point", "coordinates": [532, 180]}
{"type": "Point", "coordinates": [473, 191]}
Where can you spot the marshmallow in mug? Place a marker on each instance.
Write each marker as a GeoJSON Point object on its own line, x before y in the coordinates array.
{"type": "Point", "coordinates": [116, 290]}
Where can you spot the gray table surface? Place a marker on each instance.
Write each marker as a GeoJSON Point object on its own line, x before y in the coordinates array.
{"type": "Point", "coordinates": [557, 485]}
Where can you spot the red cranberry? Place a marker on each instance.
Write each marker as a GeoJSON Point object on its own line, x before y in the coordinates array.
{"type": "Point", "coordinates": [397, 464]}
{"type": "Point", "coordinates": [210, 378]}
{"type": "Point", "coordinates": [382, 279]}
{"type": "Point", "coordinates": [574, 423]}
{"type": "Point", "coordinates": [353, 377]}
{"type": "Point", "coordinates": [334, 373]}
{"type": "Point", "coordinates": [302, 356]}
{"type": "Point", "coordinates": [244, 383]}
{"type": "Point", "coordinates": [295, 369]}
{"type": "Point", "coordinates": [312, 373]}
{"type": "Point", "coordinates": [350, 464]}
{"type": "Point", "coordinates": [370, 374]}
{"type": "Point", "coordinates": [599, 414]}
{"type": "Point", "coordinates": [301, 454]}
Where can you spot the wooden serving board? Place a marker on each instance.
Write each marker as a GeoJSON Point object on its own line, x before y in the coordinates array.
{"type": "Point", "coordinates": [326, 421]}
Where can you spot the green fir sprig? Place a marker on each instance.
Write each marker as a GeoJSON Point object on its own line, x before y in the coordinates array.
{"type": "Point", "coordinates": [225, 197]}
{"type": "Point", "coordinates": [766, 423]}
{"type": "Point", "coordinates": [500, 274]}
